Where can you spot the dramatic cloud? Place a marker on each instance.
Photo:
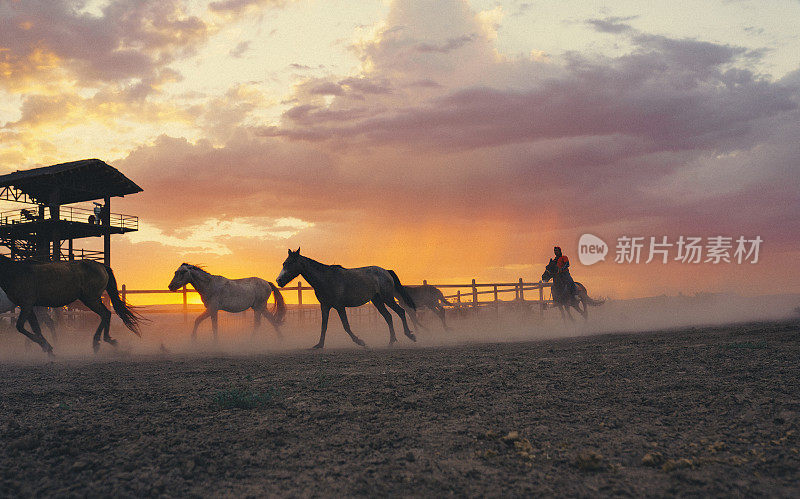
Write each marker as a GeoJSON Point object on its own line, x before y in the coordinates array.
{"type": "Point", "coordinates": [436, 151]}
{"type": "Point", "coordinates": [46, 40]}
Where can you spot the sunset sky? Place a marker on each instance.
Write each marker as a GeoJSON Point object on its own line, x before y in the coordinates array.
{"type": "Point", "coordinates": [446, 139]}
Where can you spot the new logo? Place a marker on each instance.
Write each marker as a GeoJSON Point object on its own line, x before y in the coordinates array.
{"type": "Point", "coordinates": [591, 249]}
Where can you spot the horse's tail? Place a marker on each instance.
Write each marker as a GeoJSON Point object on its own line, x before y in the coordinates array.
{"type": "Point", "coordinates": [401, 290]}
{"type": "Point", "coordinates": [129, 316]}
{"type": "Point", "coordinates": [585, 298]}
{"type": "Point", "coordinates": [279, 312]}
{"type": "Point", "coordinates": [441, 297]}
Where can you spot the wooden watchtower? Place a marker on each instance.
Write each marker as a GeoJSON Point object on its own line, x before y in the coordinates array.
{"type": "Point", "coordinates": [39, 231]}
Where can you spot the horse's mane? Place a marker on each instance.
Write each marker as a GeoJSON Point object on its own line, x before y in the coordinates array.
{"type": "Point", "coordinates": [195, 267]}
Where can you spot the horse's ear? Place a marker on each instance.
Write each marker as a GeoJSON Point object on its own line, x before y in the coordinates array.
{"type": "Point", "coordinates": [298, 250]}
{"type": "Point", "coordinates": [290, 252]}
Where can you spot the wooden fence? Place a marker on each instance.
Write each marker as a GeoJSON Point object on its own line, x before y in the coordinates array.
{"type": "Point", "coordinates": [462, 296]}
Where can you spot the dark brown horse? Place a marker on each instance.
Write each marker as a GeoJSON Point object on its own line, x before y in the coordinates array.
{"type": "Point", "coordinates": [337, 287]}
{"type": "Point", "coordinates": [562, 298]}
{"type": "Point", "coordinates": [56, 284]}
{"type": "Point", "coordinates": [425, 296]}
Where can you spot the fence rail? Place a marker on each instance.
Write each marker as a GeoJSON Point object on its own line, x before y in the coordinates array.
{"type": "Point", "coordinates": [69, 214]}
{"type": "Point", "coordinates": [468, 298]}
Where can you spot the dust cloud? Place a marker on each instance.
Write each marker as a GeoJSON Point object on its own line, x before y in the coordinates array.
{"type": "Point", "coordinates": [168, 332]}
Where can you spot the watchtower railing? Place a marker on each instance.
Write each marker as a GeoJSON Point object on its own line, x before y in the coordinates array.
{"type": "Point", "coordinates": [69, 214]}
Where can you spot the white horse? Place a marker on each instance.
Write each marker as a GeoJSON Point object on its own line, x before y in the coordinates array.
{"type": "Point", "coordinates": [6, 305]}
{"type": "Point", "coordinates": [231, 295]}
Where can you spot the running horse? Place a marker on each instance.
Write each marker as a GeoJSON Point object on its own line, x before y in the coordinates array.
{"type": "Point", "coordinates": [55, 284]}
{"type": "Point", "coordinates": [562, 297]}
{"type": "Point", "coordinates": [338, 288]}
{"type": "Point", "coordinates": [426, 296]}
{"type": "Point", "coordinates": [231, 295]}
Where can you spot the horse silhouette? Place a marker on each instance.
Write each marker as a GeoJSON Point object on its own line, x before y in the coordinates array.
{"type": "Point", "coordinates": [562, 298]}
{"type": "Point", "coordinates": [55, 284]}
{"type": "Point", "coordinates": [425, 296]}
{"type": "Point", "coordinates": [338, 288]}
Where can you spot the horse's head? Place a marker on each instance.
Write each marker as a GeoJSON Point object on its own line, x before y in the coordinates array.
{"type": "Point", "coordinates": [181, 278]}
{"type": "Point", "coordinates": [291, 268]}
{"type": "Point", "coordinates": [550, 270]}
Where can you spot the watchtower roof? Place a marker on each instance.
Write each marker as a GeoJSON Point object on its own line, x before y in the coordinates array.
{"type": "Point", "coordinates": [75, 182]}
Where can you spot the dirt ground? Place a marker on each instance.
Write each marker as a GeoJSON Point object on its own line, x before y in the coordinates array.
{"type": "Point", "coordinates": [711, 411]}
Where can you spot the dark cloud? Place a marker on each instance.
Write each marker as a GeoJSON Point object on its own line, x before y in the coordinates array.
{"type": "Point", "coordinates": [612, 24]}
{"type": "Point", "coordinates": [238, 6]}
{"type": "Point", "coordinates": [367, 85]}
{"type": "Point", "coordinates": [447, 46]}
{"type": "Point", "coordinates": [131, 39]}
{"type": "Point", "coordinates": [326, 88]}
{"type": "Point", "coordinates": [240, 49]}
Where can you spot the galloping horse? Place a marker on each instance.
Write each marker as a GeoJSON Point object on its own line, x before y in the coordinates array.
{"type": "Point", "coordinates": [55, 284]}
{"type": "Point", "coordinates": [337, 287]}
{"type": "Point", "coordinates": [425, 296]}
{"type": "Point", "coordinates": [231, 295]}
{"type": "Point", "coordinates": [562, 298]}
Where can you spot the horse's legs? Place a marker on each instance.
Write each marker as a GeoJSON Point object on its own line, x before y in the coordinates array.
{"type": "Point", "coordinates": [571, 318]}
{"type": "Point", "coordinates": [402, 313]}
{"type": "Point", "coordinates": [584, 312]}
{"type": "Point", "coordinates": [561, 309]}
{"type": "Point", "coordinates": [205, 315]}
{"type": "Point", "coordinates": [413, 315]}
{"type": "Point", "coordinates": [96, 306]}
{"type": "Point", "coordinates": [36, 335]}
{"type": "Point", "coordinates": [267, 315]}
{"type": "Point", "coordinates": [440, 312]}
{"type": "Point", "coordinates": [256, 320]}
{"type": "Point", "coordinates": [324, 310]}
{"type": "Point", "coordinates": [214, 328]}
{"type": "Point", "coordinates": [378, 302]}
{"type": "Point", "coordinates": [47, 321]}
{"type": "Point", "coordinates": [343, 316]}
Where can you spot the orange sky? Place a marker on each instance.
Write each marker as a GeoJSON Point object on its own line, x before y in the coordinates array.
{"type": "Point", "coordinates": [447, 140]}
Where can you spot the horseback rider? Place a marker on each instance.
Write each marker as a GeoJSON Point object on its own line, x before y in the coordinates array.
{"type": "Point", "coordinates": [562, 263]}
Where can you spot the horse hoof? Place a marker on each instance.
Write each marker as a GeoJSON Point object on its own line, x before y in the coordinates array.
{"type": "Point", "coordinates": [112, 342]}
{"type": "Point", "coordinates": [360, 342]}
{"type": "Point", "coordinates": [316, 347]}
{"type": "Point", "coordinates": [96, 347]}
{"type": "Point", "coordinates": [411, 336]}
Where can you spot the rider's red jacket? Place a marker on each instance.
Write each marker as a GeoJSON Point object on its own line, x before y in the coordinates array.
{"type": "Point", "coordinates": [562, 263]}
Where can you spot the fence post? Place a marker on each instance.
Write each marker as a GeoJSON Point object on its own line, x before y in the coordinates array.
{"type": "Point", "coordinates": [424, 282]}
{"type": "Point", "coordinates": [300, 302]}
{"type": "Point", "coordinates": [521, 290]}
{"type": "Point", "coordinates": [458, 299]}
{"type": "Point", "coordinates": [541, 298]}
{"type": "Point", "coordinates": [124, 293]}
{"type": "Point", "coordinates": [474, 294]}
{"type": "Point", "coordinates": [185, 305]}
{"type": "Point", "coordinates": [496, 302]}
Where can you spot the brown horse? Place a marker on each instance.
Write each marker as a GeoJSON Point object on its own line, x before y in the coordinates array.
{"type": "Point", "coordinates": [338, 288]}
{"type": "Point", "coordinates": [562, 298]}
{"type": "Point", "coordinates": [55, 284]}
{"type": "Point", "coordinates": [425, 296]}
